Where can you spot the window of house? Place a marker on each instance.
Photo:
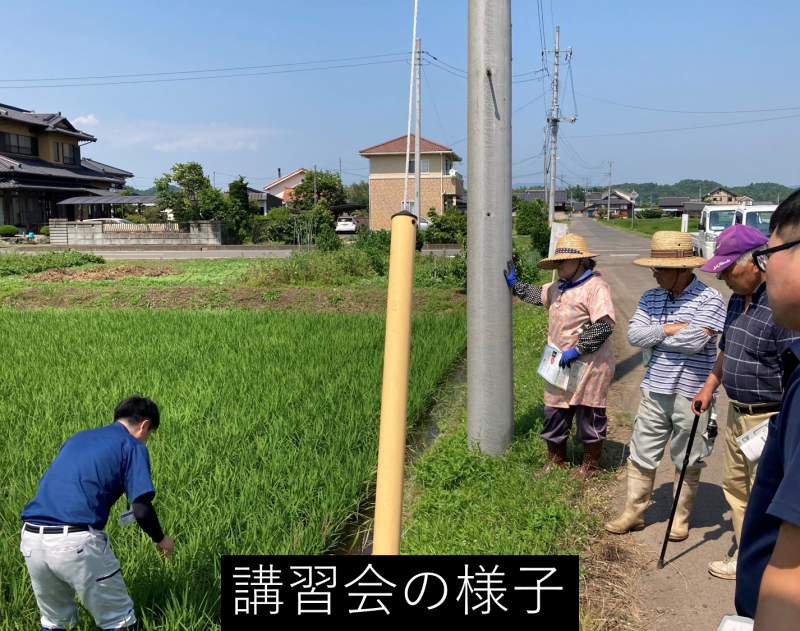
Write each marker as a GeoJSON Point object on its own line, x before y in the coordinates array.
{"type": "Point", "coordinates": [423, 166]}
{"type": "Point", "coordinates": [16, 143]}
{"type": "Point", "coordinates": [55, 152]}
{"type": "Point", "coordinates": [71, 154]}
{"type": "Point", "coordinates": [730, 199]}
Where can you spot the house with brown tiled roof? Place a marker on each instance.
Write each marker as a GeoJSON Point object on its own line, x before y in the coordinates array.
{"type": "Point", "coordinates": [440, 183]}
{"type": "Point", "coordinates": [284, 185]}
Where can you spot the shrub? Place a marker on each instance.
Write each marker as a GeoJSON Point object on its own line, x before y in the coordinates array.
{"type": "Point", "coordinates": [45, 231]}
{"type": "Point", "coordinates": [328, 240]}
{"type": "Point", "coordinates": [525, 260]}
{"type": "Point", "coordinates": [376, 244]}
{"type": "Point", "coordinates": [450, 227]}
{"type": "Point", "coordinates": [8, 231]}
{"type": "Point", "coordinates": [532, 219]}
{"type": "Point", "coordinates": [277, 226]}
{"type": "Point", "coordinates": [650, 214]}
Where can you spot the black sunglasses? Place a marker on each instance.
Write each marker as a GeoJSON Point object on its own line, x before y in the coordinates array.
{"type": "Point", "coordinates": [761, 257]}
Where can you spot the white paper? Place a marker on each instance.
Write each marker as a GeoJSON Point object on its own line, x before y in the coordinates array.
{"type": "Point", "coordinates": [560, 377]}
{"type": "Point", "coordinates": [735, 623]}
{"type": "Point", "coordinates": [752, 443]}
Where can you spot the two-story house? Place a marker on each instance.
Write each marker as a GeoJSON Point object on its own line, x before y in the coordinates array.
{"type": "Point", "coordinates": [282, 187]}
{"type": "Point", "coordinates": [41, 165]}
{"type": "Point", "coordinates": [440, 183]}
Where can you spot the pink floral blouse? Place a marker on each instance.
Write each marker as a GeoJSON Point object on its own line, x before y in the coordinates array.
{"type": "Point", "coordinates": [569, 311]}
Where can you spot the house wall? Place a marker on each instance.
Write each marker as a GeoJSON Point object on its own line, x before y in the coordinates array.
{"type": "Point", "coordinates": [46, 140]}
{"type": "Point", "coordinates": [395, 165]}
{"type": "Point", "coordinates": [288, 183]}
{"type": "Point", "coordinates": [386, 196]}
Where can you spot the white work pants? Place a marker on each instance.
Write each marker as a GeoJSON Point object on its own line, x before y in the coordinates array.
{"type": "Point", "coordinates": [62, 564]}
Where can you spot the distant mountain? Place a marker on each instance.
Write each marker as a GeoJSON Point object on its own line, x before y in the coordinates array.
{"type": "Point", "coordinates": [151, 190]}
{"type": "Point", "coordinates": [764, 191]}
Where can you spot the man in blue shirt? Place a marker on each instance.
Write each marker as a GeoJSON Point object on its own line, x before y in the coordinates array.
{"type": "Point", "coordinates": [65, 548]}
{"type": "Point", "coordinates": [768, 572]}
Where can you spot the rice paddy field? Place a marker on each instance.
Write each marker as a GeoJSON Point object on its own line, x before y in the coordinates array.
{"type": "Point", "coordinates": [268, 438]}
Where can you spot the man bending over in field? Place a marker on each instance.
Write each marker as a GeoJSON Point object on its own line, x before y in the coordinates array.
{"type": "Point", "coordinates": [65, 548]}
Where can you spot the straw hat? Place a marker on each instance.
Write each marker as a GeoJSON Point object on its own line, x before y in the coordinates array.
{"type": "Point", "coordinates": [671, 249]}
{"type": "Point", "coordinates": [570, 246]}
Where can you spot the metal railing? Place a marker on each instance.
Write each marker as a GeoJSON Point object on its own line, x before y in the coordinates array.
{"type": "Point", "coordinates": [145, 227]}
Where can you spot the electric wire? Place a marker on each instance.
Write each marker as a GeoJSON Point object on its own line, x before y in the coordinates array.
{"type": "Point", "coordinates": [659, 131]}
{"type": "Point", "coordinates": [227, 76]}
{"type": "Point", "coordinates": [158, 74]}
{"type": "Point", "coordinates": [435, 109]}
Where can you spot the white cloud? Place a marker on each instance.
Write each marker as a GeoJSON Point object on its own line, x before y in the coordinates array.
{"type": "Point", "coordinates": [169, 138]}
{"type": "Point", "coordinates": [86, 120]}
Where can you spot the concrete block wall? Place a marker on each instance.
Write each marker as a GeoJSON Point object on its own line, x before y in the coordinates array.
{"type": "Point", "coordinates": [75, 233]}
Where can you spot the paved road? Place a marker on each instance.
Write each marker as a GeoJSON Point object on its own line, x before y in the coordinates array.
{"type": "Point", "coordinates": [683, 595]}
{"type": "Point", "coordinates": [193, 254]}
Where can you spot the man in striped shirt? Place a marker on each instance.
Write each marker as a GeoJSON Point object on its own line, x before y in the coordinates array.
{"type": "Point", "coordinates": [676, 325]}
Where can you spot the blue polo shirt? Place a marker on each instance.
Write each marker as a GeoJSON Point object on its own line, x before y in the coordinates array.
{"type": "Point", "coordinates": [775, 493]}
{"type": "Point", "coordinates": [90, 473]}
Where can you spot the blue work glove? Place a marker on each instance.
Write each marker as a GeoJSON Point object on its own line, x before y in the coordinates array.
{"type": "Point", "coordinates": [511, 274]}
{"type": "Point", "coordinates": [567, 357]}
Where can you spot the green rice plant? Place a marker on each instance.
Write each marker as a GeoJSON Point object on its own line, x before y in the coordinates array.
{"type": "Point", "coordinates": [312, 268]}
{"type": "Point", "coordinates": [268, 438]}
{"type": "Point", "coordinates": [16, 263]}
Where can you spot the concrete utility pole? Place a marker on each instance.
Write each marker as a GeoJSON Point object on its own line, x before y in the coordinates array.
{"type": "Point", "coordinates": [553, 120]}
{"type": "Point", "coordinates": [490, 374]}
{"type": "Point", "coordinates": [544, 160]}
{"type": "Point", "coordinates": [417, 132]}
{"type": "Point", "coordinates": [608, 212]}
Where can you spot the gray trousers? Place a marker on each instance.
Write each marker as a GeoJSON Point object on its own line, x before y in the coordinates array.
{"type": "Point", "coordinates": [661, 417]}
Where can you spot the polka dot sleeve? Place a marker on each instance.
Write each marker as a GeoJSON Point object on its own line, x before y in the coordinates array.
{"type": "Point", "coordinates": [529, 293]}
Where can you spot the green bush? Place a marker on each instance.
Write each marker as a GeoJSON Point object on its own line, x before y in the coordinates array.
{"type": "Point", "coordinates": [328, 240]}
{"type": "Point", "coordinates": [276, 227]}
{"type": "Point", "coordinates": [18, 264]}
{"type": "Point", "coordinates": [650, 214]}
{"type": "Point", "coordinates": [8, 231]}
{"type": "Point", "coordinates": [532, 219]}
{"type": "Point", "coordinates": [525, 260]}
{"type": "Point", "coordinates": [45, 231]}
{"type": "Point", "coordinates": [450, 227]}
{"type": "Point", "coordinates": [376, 244]}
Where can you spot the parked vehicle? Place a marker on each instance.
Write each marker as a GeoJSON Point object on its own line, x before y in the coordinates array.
{"type": "Point", "coordinates": [423, 223]}
{"type": "Point", "coordinates": [714, 219]}
{"type": "Point", "coordinates": [346, 225]}
{"type": "Point", "coordinates": [106, 220]}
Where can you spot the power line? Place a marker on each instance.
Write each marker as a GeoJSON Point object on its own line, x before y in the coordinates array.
{"type": "Point", "coordinates": [654, 109]}
{"type": "Point", "coordinates": [157, 74]}
{"type": "Point", "coordinates": [527, 104]}
{"type": "Point", "coordinates": [250, 74]}
{"type": "Point", "coordinates": [658, 131]}
{"type": "Point", "coordinates": [526, 159]}
{"type": "Point", "coordinates": [435, 109]}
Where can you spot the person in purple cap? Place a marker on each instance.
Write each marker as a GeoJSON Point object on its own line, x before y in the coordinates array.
{"type": "Point", "coordinates": [748, 365]}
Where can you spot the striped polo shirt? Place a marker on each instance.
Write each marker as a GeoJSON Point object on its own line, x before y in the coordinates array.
{"type": "Point", "coordinates": [672, 372]}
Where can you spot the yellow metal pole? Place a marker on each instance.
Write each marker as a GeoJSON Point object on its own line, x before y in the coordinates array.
{"type": "Point", "coordinates": [394, 402]}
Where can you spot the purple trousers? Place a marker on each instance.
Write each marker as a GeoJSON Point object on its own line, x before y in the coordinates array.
{"type": "Point", "coordinates": [591, 424]}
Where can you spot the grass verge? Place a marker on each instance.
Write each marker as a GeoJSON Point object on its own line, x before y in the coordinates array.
{"type": "Point", "coordinates": [648, 227]}
{"type": "Point", "coordinates": [459, 501]}
{"type": "Point", "coordinates": [268, 440]}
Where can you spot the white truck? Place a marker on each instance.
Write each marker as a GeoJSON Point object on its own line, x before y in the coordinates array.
{"type": "Point", "coordinates": [714, 219]}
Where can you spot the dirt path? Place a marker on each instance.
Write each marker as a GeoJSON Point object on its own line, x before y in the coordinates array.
{"type": "Point", "coordinates": [683, 595]}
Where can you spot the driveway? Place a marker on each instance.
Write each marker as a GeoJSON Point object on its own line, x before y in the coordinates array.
{"type": "Point", "coordinates": [683, 595]}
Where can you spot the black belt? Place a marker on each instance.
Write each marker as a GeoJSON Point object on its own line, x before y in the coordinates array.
{"type": "Point", "coordinates": [756, 408]}
{"type": "Point", "coordinates": [54, 530]}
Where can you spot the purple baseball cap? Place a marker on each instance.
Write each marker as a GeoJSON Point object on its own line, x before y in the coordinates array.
{"type": "Point", "coordinates": [731, 244]}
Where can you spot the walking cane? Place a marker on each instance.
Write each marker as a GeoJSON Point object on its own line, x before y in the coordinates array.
{"type": "Point", "coordinates": [680, 484]}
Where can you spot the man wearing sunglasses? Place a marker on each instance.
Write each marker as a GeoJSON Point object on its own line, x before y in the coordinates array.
{"type": "Point", "coordinates": [748, 365]}
{"type": "Point", "coordinates": [768, 572]}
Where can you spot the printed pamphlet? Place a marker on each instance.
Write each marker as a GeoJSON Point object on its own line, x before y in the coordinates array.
{"type": "Point", "coordinates": [560, 377]}
{"type": "Point", "coordinates": [752, 443]}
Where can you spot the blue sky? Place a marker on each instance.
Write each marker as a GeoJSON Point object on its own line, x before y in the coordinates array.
{"type": "Point", "coordinates": [683, 55]}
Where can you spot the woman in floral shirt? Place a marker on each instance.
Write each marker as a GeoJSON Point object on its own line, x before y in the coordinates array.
{"type": "Point", "coordinates": [581, 322]}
